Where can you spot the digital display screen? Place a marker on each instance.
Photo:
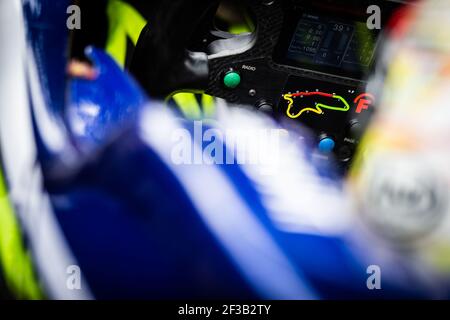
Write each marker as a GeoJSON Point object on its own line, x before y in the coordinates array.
{"type": "Point", "coordinates": [331, 45]}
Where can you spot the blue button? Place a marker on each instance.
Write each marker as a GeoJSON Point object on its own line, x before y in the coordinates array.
{"type": "Point", "coordinates": [326, 145]}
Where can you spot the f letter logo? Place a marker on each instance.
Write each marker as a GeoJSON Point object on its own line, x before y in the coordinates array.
{"type": "Point", "coordinates": [363, 102]}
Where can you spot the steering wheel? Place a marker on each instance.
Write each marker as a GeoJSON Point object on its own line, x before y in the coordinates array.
{"type": "Point", "coordinates": [305, 61]}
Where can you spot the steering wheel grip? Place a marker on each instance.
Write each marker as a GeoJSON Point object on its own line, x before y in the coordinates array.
{"type": "Point", "coordinates": [161, 63]}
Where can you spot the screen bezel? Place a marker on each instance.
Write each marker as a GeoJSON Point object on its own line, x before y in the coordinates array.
{"type": "Point", "coordinates": [339, 10]}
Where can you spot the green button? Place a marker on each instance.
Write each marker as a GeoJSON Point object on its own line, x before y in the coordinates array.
{"type": "Point", "coordinates": [232, 80]}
